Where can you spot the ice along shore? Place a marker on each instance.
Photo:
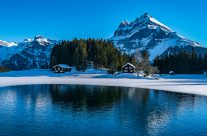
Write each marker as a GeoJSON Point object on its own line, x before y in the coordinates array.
{"type": "Point", "coordinates": [191, 84]}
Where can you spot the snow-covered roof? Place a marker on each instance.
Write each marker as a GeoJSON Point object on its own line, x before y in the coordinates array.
{"type": "Point", "coordinates": [62, 66]}
{"type": "Point", "coordinates": [170, 72]}
{"type": "Point", "coordinates": [130, 65]}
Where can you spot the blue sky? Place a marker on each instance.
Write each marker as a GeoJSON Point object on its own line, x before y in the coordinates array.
{"type": "Point", "coordinates": [66, 19]}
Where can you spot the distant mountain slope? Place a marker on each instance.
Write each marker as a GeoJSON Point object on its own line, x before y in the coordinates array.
{"type": "Point", "coordinates": [148, 33]}
{"type": "Point", "coordinates": [27, 54]}
{"type": "Point", "coordinates": [7, 44]}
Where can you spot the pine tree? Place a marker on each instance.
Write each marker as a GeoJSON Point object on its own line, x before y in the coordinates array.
{"type": "Point", "coordinates": [193, 63]}
{"type": "Point", "coordinates": [81, 56]}
{"type": "Point", "coordinates": [205, 61]}
{"type": "Point", "coordinates": [145, 63]}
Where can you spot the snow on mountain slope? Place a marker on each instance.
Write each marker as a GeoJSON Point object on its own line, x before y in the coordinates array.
{"type": "Point", "coordinates": [148, 33]}
{"type": "Point", "coordinates": [7, 44]}
{"type": "Point", "coordinates": [27, 54]}
{"type": "Point", "coordinates": [161, 47]}
{"type": "Point", "coordinates": [8, 51]}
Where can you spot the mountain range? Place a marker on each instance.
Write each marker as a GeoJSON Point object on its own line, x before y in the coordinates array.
{"type": "Point", "coordinates": [31, 53]}
{"type": "Point", "coordinates": [145, 32]}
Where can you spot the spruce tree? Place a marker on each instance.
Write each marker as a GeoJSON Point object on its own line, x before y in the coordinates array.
{"type": "Point", "coordinates": [80, 56]}
{"type": "Point", "coordinates": [205, 61]}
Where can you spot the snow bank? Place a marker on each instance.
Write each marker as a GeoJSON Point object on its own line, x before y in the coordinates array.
{"type": "Point", "coordinates": [193, 84]}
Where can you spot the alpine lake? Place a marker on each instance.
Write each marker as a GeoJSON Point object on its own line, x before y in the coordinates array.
{"type": "Point", "coordinates": [78, 110]}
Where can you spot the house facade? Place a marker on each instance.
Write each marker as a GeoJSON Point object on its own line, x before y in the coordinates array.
{"type": "Point", "coordinates": [128, 68]}
{"type": "Point", "coordinates": [62, 68]}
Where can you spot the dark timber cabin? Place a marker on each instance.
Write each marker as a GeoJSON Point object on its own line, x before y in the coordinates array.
{"type": "Point", "coordinates": [62, 68]}
{"type": "Point", "coordinates": [129, 68]}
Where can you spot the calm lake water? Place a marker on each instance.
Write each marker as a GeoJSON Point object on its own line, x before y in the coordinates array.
{"type": "Point", "coordinates": [69, 110]}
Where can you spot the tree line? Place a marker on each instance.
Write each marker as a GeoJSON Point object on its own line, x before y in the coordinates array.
{"type": "Point", "coordinates": [4, 69]}
{"type": "Point", "coordinates": [182, 63]}
{"type": "Point", "coordinates": [83, 53]}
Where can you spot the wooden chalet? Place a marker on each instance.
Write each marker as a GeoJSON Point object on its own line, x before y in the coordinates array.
{"type": "Point", "coordinates": [128, 68]}
{"type": "Point", "coordinates": [62, 68]}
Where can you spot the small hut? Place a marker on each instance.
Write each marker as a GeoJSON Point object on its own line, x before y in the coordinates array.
{"type": "Point", "coordinates": [172, 73]}
{"type": "Point", "coordinates": [62, 68]}
{"type": "Point", "coordinates": [129, 68]}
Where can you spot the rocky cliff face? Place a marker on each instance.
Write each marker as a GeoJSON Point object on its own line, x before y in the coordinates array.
{"type": "Point", "coordinates": [148, 33]}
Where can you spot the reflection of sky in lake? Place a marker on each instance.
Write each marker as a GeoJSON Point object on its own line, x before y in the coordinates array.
{"type": "Point", "coordinates": [98, 110]}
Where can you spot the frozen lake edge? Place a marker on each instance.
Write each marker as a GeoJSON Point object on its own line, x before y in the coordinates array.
{"type": "Point", "coordinates": [191, 84]}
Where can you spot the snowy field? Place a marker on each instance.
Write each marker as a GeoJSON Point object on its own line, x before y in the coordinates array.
{"type": "Point", "coordinates": [193, 84]}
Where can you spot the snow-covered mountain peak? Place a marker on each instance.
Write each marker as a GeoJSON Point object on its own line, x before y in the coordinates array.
{"type": "Point", "coordinates": [146, 32]}
{"type": "Point", "coordinates": [27, 40]}
{"type": "Point", "coordinates": [38, 37]}
{"type": "Point", "coordinates": [145, 21]}
{"type": "Point", "coordinates": [144, 17]}
{"type": "Point", "coordinates": [160, 24]}
{"type": "Point", "coordinates": [149, 21]}
{"type": "Point", "coordinates": [124, 23]}
{"type": "Point", "coordinates": [41, 40]}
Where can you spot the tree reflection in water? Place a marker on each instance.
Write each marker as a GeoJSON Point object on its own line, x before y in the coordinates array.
{"type": "Point", "coordinates": [148, 111]}
{"type": "Point", "coordinates": [100, 110]}
{"type": "Point", "coordinates": [85, 97]}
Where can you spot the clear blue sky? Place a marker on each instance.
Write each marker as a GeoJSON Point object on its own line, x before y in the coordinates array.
{"type": "Point", "coordinates": [66, 19]}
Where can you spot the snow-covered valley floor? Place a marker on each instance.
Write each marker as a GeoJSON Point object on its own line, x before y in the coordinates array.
{"type": "Point", "coordinates": [193, 84]}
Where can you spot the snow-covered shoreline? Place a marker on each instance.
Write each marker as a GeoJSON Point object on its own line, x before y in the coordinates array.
{"type": "Point", "coordinates": [193, 84]}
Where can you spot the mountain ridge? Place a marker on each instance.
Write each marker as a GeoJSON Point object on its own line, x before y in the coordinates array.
{"type": "Point", "coordinates": [31, 53]}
